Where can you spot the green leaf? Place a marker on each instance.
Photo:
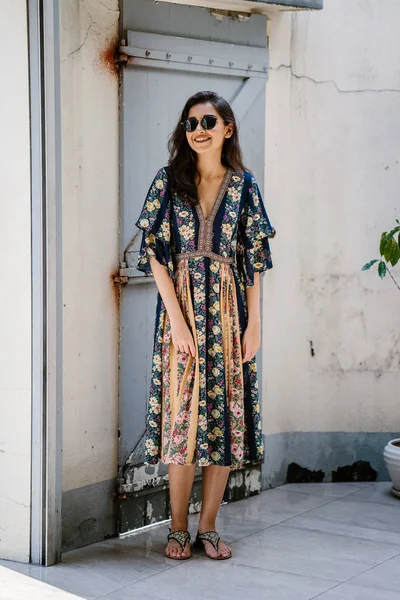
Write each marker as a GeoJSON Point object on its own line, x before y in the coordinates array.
{"type": "Point", "coordinates": [382, 269]}
{"type": "Point", "coordinates": [390, 249]}
{"type": "Point", "coordinates": [383, 243]}
{"type": "Point", "coordinates": [395, 255]}
{"type": "Point", "coordinates": [369, 265]}
{"type": "Point", "coordinates": [391, 233]}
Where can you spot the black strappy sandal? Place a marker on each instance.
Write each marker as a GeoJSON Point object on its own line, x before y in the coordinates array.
{"type": "Point", "coordinates": [213, 538]}
{"type": "Point", "coordinates": [181, 536]}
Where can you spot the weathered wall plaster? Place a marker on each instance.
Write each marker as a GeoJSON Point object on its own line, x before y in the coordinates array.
{"type": "Point", "coordinates": [331, 333]}
{"type": "Point", "coordinates": [90, 140]}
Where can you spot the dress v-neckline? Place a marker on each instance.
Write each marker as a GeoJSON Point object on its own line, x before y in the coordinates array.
{"type": "Point", "coordinates": [222, 188]}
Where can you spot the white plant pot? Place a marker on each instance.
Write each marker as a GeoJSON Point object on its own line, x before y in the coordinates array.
{"type": "Point", "coordinates": [391, 455]}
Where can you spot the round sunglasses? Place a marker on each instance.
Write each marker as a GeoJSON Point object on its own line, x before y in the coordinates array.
{"type": "Point", "coordinates": [207, 122]}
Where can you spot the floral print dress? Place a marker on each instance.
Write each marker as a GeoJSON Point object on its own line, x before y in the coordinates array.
{"type": "Point", "coordinates": [205, 408]}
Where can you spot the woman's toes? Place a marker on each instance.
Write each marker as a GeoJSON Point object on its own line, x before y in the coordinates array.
{"type": "Point", "coordinates": [212, 551]}
{"type": "Point", "coordinates": [171, 551]}
{"type": "Point", "coordinates": [174, 551]}
{"type": "Point", "coordinates": [225, 551]}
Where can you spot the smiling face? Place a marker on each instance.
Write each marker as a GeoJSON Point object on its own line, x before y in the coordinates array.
{"type": "Point", "coordinates": [205, 140]}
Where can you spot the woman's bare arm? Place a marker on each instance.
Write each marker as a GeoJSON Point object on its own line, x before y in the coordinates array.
{"type": "Point", "coordinates": [252, 334]}
{"type": "Point", "coordinates": [253, 301]}
{"type": "Point", "coordinates": [181, 334]}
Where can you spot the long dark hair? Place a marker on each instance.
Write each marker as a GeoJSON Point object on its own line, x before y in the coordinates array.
{"type": "Point", "coordinates": [182, 160]}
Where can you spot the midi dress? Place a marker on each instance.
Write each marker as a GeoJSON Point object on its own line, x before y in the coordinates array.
{"type": "Point", "coordinates": [205, 409]}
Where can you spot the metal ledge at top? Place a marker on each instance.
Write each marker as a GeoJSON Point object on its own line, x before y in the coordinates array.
{"type": "Point", "coordinates": [253, 6]}
{"type": "Point", "coordinates": [293, 4]}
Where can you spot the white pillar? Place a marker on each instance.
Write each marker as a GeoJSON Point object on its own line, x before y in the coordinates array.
{"type": "Point", "coordinates": [15, 277]}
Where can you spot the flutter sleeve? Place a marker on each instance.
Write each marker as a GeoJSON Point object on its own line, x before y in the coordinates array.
{"type": "Point", "coordinates": [254, 231]}
{"type": "Point", "coordinates": [155, 222]}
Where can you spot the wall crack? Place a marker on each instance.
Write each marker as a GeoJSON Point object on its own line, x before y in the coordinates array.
{"type": "Point", "coordinates": [84, 40]}
{"type": "Point", "coordinates": [15, 501]}
{"type": "Point", "coordinates": [332, 82]}
{"type": "Point", "coordinates": [111, 10]}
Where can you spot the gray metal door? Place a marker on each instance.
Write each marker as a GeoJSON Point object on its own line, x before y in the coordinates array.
{"type": "Point", "coordinates": [160, 72]}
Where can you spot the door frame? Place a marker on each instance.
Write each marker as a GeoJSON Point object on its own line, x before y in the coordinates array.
{"type": "Point", "coordinates": [46, 272]}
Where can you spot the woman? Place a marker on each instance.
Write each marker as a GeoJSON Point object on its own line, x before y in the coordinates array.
{"type": "Point", "coordinates": [205, 239]}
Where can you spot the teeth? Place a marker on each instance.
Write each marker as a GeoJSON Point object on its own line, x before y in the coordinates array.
{"type": "Point", "coordinates": [201, 139]}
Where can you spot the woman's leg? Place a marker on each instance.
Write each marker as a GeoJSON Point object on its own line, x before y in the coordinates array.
{"type": "Point", "coordinates": [180, 485]}
{"type": "Point", "coordinates": [214, 484]}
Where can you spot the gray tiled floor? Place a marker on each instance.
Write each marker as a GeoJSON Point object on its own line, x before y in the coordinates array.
{"type": "Point", "coordinates": [297, 542]}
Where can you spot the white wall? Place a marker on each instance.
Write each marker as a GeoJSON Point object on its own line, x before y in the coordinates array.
{"type": "Point", "coordinates": [89, 92]}
{"type": "Point", "coordinates": [332, 187]}
{"type": "Point", "coordinates": [15, 276]}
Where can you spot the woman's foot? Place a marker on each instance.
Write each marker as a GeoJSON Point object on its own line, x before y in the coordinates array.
{"type": "Point", "coordinates": [224, 551]}
{"type": "Point", "coordinates": [174, 548]}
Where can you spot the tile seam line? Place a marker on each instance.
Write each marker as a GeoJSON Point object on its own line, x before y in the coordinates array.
{"type": "Point", "coordinates": [369, 501]}
{"type": "Point", "coordinates": [238, 564]}
{"type": "Point", "coordinates": [274, 524]}
{"type": "Point", "coordinates": [354, 577]}
{"type": "Point", "coordinates": [130, 584]}
{"type": "Point", "coordinates": [328, 500]}
{"type": "Point", "coordinates": [350, 494]}
{"type": "Point", "coordinates": [352, 537]}
{"type": "Point", "coordinates": [293, 516]}
{"type": "Point", "coordinates": [282, 488]}
{"type": "Point", "coordinates": [319, 495]}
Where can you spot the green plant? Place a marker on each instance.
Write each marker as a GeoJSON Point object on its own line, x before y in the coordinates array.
{"type": "Point", "coordinates": [389, 250]}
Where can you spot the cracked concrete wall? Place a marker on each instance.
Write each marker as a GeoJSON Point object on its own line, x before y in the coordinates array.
{"type": "Point", "coordinates": [15, 275]}
{"type": "Point", "coordinates": [331, 332]}
{"type": "Point", "coordinates": [89, 96]}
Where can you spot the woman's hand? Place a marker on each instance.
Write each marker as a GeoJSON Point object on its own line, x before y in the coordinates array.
{"type": "Point", "coordinates": [250, 341]}
{"type": "Point", "coordinates": [182, 337]}
{"type": "Point", "coordinates": [181, 334]}
{"type": "Point", "coordinates": [252, 333]}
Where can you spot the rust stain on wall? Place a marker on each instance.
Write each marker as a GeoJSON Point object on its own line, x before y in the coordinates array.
{"type": "Point", "coordinates": [116, 282]}
{"type": "Point", "coordinates": [108, 55]}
